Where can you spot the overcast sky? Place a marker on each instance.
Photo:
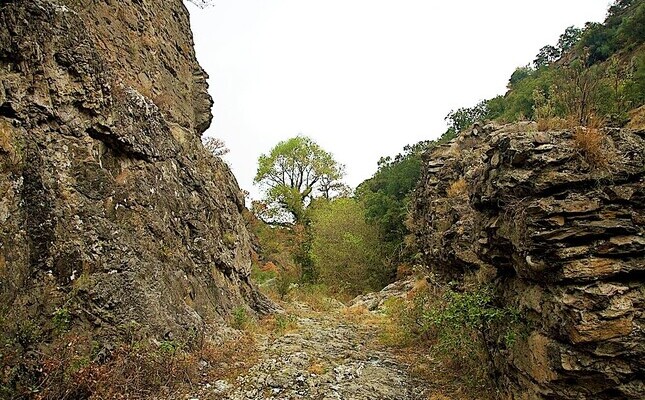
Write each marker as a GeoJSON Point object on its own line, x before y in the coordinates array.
{"type": "Point", "coordinates": [363, 78]}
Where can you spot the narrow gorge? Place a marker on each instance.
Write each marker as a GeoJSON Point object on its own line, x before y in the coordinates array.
{"type": "Point", "coordinates": [127, 250]}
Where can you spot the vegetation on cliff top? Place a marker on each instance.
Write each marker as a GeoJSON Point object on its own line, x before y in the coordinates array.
{"type": "Point", "coordinates": [592, 73]}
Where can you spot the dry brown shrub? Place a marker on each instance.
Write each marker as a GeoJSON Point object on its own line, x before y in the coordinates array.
{"type": "Point", "coordinates": [318, 368]}
{"type": "Point", "coordinates": [361, 315]}
{"type": "Point", "coordinates": [420, 287]}
{"type": "Point", "coordinates": [230, 359]}
{"type": "Point", "coordinates": [457, 189]}
{"type": "Point", "coordinates": [552, 123]}
{"type": "Point", "coordinates": [637, 119]}
{"type": "Point", "coordinates": [589, 142]}
{"type": "Point", "coordinates": [150, 42]}
{"type": "Point", "coordinates": [136, 372]}
{"type": "Point", "coordinates": [404, 270]}
{"type": "Point", "coordinates": [6, 136]}
{"type": "Point", "coordinates": [320, 297]}
{"type": "Point", "coordinates": [276, 325]}
{"type": "Point", "coordinates": [595, 122]}
{"type": "Point", "coordinates": [73, 367]}
{"type": "Point", "coordinates": [438, 396]}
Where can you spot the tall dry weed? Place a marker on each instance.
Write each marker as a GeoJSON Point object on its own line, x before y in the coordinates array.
{"type": "Point", "coordinates": [589, 142]}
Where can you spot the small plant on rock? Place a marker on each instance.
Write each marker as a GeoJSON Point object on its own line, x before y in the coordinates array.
{"type": "Point", "coordinates": [61, 320]}
{"type": "Point", "coordinates": [240, 318]}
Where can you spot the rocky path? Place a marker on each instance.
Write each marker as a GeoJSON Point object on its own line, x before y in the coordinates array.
{"type": "Point", "coordinates": [326, 357]}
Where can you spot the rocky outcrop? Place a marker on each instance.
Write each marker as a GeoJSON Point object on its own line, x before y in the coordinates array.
{"type": "Point", "coordinates": [401, 289]}
{"type": "Point", "coordinates": [557, 227]}
{"type": "Point", "coordinates": [111, 209]}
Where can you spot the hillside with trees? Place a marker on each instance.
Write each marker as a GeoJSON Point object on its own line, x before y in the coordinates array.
{"type": "Point", "coordinates": [592, 75]}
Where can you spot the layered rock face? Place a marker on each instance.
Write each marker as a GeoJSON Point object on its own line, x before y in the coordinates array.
{"type": "Point", "coordinates": [111, 207]}
{"type": "Point", "coordinates": [557, 229]}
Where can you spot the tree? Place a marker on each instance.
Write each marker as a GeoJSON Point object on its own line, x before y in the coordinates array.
{"type": "Point", "coordinates": [583, 91]}
{"type": "Point", "coordinates": [215, 146]}
{"type": "Point", "coordinates": [293, 173]}
{"type": "Point", "coordinates": [519, 75]}
{"type": "Point", "coordinates": [346, 249]}
{"type": "Point", "coordinates": [547, 55]}
{"type": "Point", "coordinates": [202, 3]}
{"type": "Point", "coordinates": [569, 38]}
{"type": "Point", "coordinates": [464, 117]}
{"type": "Point", "coordinates": [385, 198]}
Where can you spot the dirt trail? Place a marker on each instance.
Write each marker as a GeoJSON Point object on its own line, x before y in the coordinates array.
{"type": "Point", "coordinates": [326, 357]}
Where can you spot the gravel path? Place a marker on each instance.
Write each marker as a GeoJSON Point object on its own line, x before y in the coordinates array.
{"type": "Point", "coordinates": [325, 358]}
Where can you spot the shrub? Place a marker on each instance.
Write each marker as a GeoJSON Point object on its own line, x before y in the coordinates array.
{"type": "Point", "coordinates": [284, 282]}
{"type": "Point", "coordinates": [346, 248]}
{"type": "Point", "coordinates": [278, 324]}
{"type": "Point", "coordinates": [319, 297]}
{"type": "Point", "coordinates": [457, 189]}
{"type": "Point", "coordinates": [240, 318]}
{"type": "Point", "coordinates": [589, 143]}
{"type": "Point", "coordinates": [261, 276]}
{"type": "Point", "coordinates": [61, 320]}
{"type": "Point", "coordinates": [455, 325]}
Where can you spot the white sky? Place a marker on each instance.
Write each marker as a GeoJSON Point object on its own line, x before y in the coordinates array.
{"type": "Point", "coordinates": [363, 78]}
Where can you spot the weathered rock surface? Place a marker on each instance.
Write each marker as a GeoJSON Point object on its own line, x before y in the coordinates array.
{"type": "Point", "coordinates": [560, 239]}
{"type": "Point", "coordinates": [110, 205]}
{"type": "Point", "coordinates": [375, 301]}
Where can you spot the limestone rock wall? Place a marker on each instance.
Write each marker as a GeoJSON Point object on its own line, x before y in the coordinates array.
{"type": "Point", "coordinates": [560, 238]}
{"type": "Point", "coordinates": [110, 205]}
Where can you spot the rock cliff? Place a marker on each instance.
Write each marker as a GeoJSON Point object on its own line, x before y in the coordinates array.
{"type": "Point", "coordinates": [557, 228]}
{"type": "Point", "coordinates": [111, 208]}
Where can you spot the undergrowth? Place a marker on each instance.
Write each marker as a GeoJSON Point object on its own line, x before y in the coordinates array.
{"type": "Point", "coordinates": [454, 326]}
{"type": "Point", "coordinates": [56, 359]}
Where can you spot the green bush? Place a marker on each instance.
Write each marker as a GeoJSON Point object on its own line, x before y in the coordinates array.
{"type": "Point", "coordinates": [455, 326]}
{"type": "Point", "coordinates": [385, 199]}
{"type": "Point", "coordinates": [61, 320]}
{"type": "Point", "coordinates": [345, 248]}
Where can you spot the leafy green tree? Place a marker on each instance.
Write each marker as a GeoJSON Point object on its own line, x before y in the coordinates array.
{"type": "Point", "coordinates": [346, 249]}
{"type": "Point", "coordinates": [519, 75]}
{"type": "Point", "coordinates": [292, 174]}
{"type": "Point", "coordinates": [547, 55]}
{"type": "Point", "coordinates": [569, 38]}
{"type": "Point", "coordinates": [385, 197]}
{"type": "Point", "coordinates": [496, 107]}
{"type": "Point", "coordinates": [464, 117]}
{"type": "Point", "coordinates": [519, 101]}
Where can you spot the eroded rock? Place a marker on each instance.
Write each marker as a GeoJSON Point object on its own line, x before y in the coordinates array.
{"type": "Point", "coordinates": [110, 205]}
{"type": "Point", "coordinates": [560, 239]}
